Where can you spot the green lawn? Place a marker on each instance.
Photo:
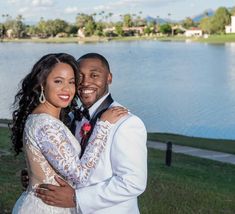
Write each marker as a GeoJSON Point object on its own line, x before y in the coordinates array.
{"type": "Point", "coordinates": [220, 145]}
{"type": "Point", "coordinates": [190, 185]}
{"type": "Point", "coordinates": [218, 38]}
{"type": "Point", "coordinates": [211, 39]}
{"type": "Point", "coordinates": [4, 139]}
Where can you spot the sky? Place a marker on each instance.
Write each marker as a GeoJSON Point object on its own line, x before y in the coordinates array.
{"type": "Point", "coordinates": [33, 10]}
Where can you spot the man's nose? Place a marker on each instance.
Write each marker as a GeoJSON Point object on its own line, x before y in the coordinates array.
{"type": "Point", "coordinates": [85, 80]}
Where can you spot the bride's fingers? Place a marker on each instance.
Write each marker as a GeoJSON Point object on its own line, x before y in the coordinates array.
{"type": "Point", "coordinates": [118, 112]}
{"type": "Point", "coordinates": [116, 108]}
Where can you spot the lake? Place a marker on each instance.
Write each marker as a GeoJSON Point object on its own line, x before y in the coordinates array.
{"type": "Point", "coordinates": [174, 87]}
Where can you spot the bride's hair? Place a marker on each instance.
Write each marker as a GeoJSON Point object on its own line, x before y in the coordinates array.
{"type": "Point", "coordinates": [27, 98]}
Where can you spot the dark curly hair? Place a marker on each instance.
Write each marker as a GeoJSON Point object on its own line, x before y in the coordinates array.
{"type": "Point", "coordinates": [27, 98]}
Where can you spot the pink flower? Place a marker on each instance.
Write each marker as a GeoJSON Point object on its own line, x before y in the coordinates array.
{"type": "Point", "coordinates": [86, 127]}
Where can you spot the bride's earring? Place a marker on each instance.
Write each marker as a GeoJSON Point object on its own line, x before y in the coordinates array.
{"type": "Point", "coordinates": [42, 98]}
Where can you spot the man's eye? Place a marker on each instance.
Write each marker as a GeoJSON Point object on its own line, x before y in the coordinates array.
{"type": "Point", "coordinates": [95, 75]}
{"type": "Point", "coordinates": [72, 82]}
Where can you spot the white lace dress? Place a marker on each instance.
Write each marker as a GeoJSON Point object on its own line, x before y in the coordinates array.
{"type": "Point", "coordinates": [51, 149]}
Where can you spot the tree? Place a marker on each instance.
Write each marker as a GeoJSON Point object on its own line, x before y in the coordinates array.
{"type": "Point", "coordinates": [127, 20]}
{"type": "Point", "coordinates": [2, 30]}
{"type": "Point", "coordinates": [87, 23]}
{"type": "Point", "coordinates": [232, 11]}
{"type": "Point", "coordinates": [99, 29]}
{"type": "Point", "coordinates": [56, 26]}
{"type": "Point", "coordinates": [118, 29]}
{"type": "Point", "coordinates": [153, 26]}
{"type": "Point", "coordinates": [82, 19]}
{"type": "Point", "coordinates": [32, 30]}
{"type": "Point", "coordinates": [90, 27]}
{"type": "Point", "coordinates": [17, 26]}
{"type": "Point", "coordinates": [147, 30]}
{"type": "Point", "coordinates": [71, 29]}
{"type": "Point", "coordinates": [165, 28]}
{"type": "Point", "coordinates": [188, 22]}
{"type": "Point", "coordinates": [42, 27]}
{"type": "Point", "coordinates": [220, 20]}
{"type": "Point", "coordinates": [205, 25]}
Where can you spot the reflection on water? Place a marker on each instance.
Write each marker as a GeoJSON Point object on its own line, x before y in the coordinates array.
{"type": "Point", "coordinates": [184, 88]}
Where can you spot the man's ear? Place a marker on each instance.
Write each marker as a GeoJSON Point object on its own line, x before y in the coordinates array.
{"type": "Point", "coordinates": [110, 77]}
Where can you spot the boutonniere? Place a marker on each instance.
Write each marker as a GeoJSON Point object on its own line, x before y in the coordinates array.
{"type": "Point", "coordinates": [86, 127]}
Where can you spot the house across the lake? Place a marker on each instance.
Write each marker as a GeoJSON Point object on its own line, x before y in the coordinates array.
{"type": "Point", "coordinates": [231, 28]}
{"type": "Point", "coordinates": [193, 32]}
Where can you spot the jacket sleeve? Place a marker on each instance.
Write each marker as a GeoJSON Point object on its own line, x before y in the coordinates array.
{"type": "Point", "coordinates": [129, 165]}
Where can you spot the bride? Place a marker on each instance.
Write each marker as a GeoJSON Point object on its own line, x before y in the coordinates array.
{"type": "Point", "coordinates": [47, 94]}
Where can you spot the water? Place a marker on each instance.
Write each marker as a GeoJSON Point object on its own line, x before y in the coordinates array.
{"type": "Point", "coordinates": [175, 87]}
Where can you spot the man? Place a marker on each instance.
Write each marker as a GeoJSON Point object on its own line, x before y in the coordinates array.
{"type": "Point", "coordinates": [121, 174]}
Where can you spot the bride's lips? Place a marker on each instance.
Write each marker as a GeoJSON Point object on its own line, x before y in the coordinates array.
{"type": "Point", "coordinates": [64, 97]}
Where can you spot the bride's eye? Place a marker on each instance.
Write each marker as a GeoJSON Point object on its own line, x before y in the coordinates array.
{"type": "Point", "coordinates": [57, 81]}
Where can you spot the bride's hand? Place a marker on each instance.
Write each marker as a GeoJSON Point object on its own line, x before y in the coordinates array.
{"type": "Point", "coordinates": [113, 114]}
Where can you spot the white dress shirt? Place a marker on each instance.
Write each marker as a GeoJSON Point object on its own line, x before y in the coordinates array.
{"type": "Point", "coordinates": [91, 110]}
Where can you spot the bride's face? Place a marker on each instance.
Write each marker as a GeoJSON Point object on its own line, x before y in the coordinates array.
{"type": "Point", "coordinates": [59, 89]}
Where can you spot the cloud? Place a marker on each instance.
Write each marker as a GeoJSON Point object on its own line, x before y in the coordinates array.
{"type": "Point", "coordinates": [102, 7]}
{"type": "Point", "coordinates": [42, 3]}
{"type": "Point", "coordinates": [71, 10]}
{"type": "Point", "coordinates": [136, 3]}
{"type": "Point", "coordinates": [13, 1]}
{"type": "Point", "coordinates": [23, 10]}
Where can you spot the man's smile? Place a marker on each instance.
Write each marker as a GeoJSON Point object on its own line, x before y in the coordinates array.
{"type": "Point", "coordinates": [87, 91]}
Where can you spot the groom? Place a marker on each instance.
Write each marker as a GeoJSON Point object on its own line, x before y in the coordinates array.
{"type": "Point", "coordinates": [121, 173]}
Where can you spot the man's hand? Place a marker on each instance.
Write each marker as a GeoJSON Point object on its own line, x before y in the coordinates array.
{"type": "Point", "coordinates": [59, 196]}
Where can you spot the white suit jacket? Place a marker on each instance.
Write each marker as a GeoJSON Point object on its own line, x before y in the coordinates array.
{"type": "Point", "coordinates": [121, 174]}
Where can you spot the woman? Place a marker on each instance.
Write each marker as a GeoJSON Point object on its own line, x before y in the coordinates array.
{"type": "Point", "coordinates": [50, 148]}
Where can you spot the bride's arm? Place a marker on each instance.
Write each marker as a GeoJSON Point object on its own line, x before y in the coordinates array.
{"type": "Point", "coordinates": [55, 144]}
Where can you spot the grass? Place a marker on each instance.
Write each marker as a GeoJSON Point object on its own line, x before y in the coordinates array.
{"type": "Point", "coordinates": [220, 145]}
{"type": "Point", "coordinates": [10, 188]}
{"type": "Point", "coordinates": [60, 40]}
{"type": "Point", "coordinates": [218, 38]}
{"type": "Point", "coordinates": [211, 39]}
{"type": "Point", "coordinates": [191, 185]}
{"type": "Point", "coordinates": [4, 139]}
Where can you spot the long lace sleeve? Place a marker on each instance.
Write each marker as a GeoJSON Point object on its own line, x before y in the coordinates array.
{"type": "Point", "coordinates": [56, 145]}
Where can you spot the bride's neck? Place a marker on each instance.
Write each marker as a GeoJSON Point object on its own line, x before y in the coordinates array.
{"type": "Point", "coordinates": [47, 108]}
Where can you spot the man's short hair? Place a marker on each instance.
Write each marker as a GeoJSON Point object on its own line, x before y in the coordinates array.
{"type": "Point", "coordinates": [103, 60]}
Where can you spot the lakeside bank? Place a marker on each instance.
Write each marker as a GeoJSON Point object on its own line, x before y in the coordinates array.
{"type": "Point", "coordinates": [226, 38]}
{"type": "Point", "coordinates": [219, 145]}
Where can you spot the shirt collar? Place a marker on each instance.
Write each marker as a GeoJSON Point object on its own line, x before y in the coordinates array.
{"type": "Point", "coordinates": [93, 108]}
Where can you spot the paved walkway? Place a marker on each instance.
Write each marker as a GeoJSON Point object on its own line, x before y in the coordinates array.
{"type": "Point", "coordinates": [2, 125]}
{"type": "Point", "coordinates": [202, 153]}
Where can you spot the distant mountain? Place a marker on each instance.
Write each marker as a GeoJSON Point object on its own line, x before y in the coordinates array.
{"type": "Point", "coordinates": [158, 20]}
{"type": "Point", "coordinates": [206, 13]}
{"type": "Point", "coordinates": [196, 18]}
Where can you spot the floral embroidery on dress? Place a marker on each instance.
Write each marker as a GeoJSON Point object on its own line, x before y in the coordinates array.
{"type": "Point", "coordinates": [52, 149]}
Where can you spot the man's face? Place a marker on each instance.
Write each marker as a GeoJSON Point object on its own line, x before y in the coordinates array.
{"type": "Point", "coordinates": [94, 81]}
